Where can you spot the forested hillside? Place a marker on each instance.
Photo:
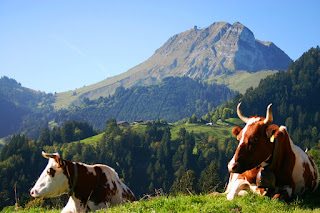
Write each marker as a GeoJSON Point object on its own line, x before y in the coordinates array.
{"type": "Point", "coordinates": [17, 102]}
{"type": "Point", "coordinates": [173, 99]}
{"type": "Point", "coordinates": [295, 98]}
{"type": "Point", "coordinates": [25, 111]}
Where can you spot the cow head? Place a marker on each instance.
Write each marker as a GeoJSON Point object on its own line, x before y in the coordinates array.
{"type": "Point", "coordinates": [52, 181]}
{"type": "Point", "coordinates": [255, 145]}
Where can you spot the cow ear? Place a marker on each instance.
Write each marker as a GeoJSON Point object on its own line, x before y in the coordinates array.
{"type": "Point", "coordinates": [61, 163]}
{"type": "Point", "coordinates": [271, 130]}
{"type": "Point", "coordinates": [236, 130]}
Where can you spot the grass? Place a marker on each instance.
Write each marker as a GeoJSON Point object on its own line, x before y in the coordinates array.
{"type": "Point", "coordinates": [220, 130]}
{"type": "Point", "coordinates": [93, 139]}
{"type": "Point", "coordinates": [242, 80]}
{"type": "Point", "coordinates": [204, 203]}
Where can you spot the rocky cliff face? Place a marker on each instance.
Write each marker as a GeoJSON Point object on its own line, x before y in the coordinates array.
{"type": "Point", "coordinates": [219, 50]}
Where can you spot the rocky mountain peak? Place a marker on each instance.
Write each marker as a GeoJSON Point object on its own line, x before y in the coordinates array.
{"type": "Point", "coordinates": [217, 49]}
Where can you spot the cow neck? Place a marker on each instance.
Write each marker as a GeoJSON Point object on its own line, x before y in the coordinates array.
{"type": "Point", "coordinates": [72, 181]}
{"type": "Point", "coordinates": [272, 160]}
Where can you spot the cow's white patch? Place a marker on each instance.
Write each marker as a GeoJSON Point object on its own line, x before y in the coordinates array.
{"type": "Point", "coordinates": [240, 187]}
{"type": "Point", "coordinates": [70, 207]}
{"type": "Point", "coordinates": [298, 170]}
{"type": "Point", "coordinates": [91, 170]}
{"type": "Point", "coordinates": [110, 174]}
{"type": "Point", "coordinates": [231, 164]}
{"type": "Point", "coordinates": [94, 207]}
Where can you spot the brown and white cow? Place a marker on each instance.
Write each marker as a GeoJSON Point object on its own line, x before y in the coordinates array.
{"type": "Point", "coordinates": [267, 161]}
{"type": "Point", "coordinates": [90, 187]}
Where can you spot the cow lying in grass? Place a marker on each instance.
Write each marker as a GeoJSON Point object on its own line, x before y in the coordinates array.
{"type": "Point", "coordinates": [267, 161]}
{"type": "Point", "coordinates": [90, 187]}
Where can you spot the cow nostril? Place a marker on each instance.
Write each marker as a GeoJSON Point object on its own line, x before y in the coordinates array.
{"type": "Point", "coordinates": [233, 167]}
{"type": "Point", "coordinates": [33, 192]}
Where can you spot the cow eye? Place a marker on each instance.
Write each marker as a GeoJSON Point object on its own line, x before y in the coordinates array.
{"type": "Point", "coordinates": [253, 140]}
{"type": "Point", "coordinates": [51, 172]}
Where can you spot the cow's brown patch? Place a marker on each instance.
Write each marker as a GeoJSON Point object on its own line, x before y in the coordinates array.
{"type": "Point", "coordinates": [286, 160]}
{"type": "Point", "coordinates": [89, 187]}
{"type": "Point", "coordinates": [250, 175]}
{"type": "Point", "coordinates": [128, 195]}
{"type": "Point", "coordinates": [309, 178]}
{"type": "Point", "coordinates": [315, 173]}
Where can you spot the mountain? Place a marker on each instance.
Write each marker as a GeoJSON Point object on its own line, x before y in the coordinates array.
{"type": "Point", "coordinates": [217, 53]}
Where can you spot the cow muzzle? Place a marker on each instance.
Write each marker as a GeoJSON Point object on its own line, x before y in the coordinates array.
{"type": "Point", "coordinates": [34, 193]}
{"type": "Point", "coordinates": [233, 168]}
{"type": "Point", "coordinates": [236, 167]}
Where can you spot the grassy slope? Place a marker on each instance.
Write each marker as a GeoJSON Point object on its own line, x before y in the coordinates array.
{"type": "Point", "coordinates": [242, 80]}
{"type": "Point", "coordinates": [206, 203]}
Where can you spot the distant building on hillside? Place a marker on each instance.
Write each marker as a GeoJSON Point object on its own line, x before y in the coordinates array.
{"type": "Point", "coordinates": [123, 123]}
{"type": "Point", "coordinates": [138, 121]}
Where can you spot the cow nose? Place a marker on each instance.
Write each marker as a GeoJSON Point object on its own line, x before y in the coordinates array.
{"type": "Point", "coordinates": [233, 167]}
{"type": "Point", "coordinates": [33, 192]}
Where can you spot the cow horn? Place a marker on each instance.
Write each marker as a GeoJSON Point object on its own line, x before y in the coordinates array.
{"type": "Point", "coordinates": [269, 116]}
{"type": "Point", "coordinates": [49, 155]}
{"type": "Point", "coordinates": [240, 115]}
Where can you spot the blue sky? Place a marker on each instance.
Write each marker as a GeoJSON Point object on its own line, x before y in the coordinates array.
{"type": "Point", "coordinates": [60, 45]}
